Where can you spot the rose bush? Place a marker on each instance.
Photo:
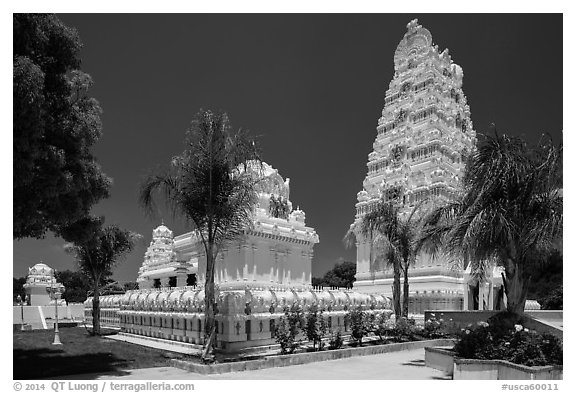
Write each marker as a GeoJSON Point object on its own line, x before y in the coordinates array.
{"type": "Point", "coordinates": [505, 337]}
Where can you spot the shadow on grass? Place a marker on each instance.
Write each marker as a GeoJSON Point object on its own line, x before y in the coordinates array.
{"type": "Point", "coordinates": [46, 363]}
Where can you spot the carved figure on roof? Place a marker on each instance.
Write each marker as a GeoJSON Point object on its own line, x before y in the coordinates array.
{"type": "Point", "coordinates": [278, 207]}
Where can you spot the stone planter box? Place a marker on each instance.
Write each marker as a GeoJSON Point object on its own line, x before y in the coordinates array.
{"type": "Point", "coordinates": [440, 359]}
{"type": "Point", "coordinates": [444, 359]}
{"type": "Point", "coordinates": [501, 369]}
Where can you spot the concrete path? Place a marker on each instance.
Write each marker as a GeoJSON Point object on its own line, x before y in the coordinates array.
{"type": "Point", "coordinates": [403, 365]}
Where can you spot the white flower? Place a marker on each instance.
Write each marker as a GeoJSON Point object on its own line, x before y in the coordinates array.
{"type": "Point", "coordinates": [518, 327]}
{"type": "Point", "coordinates": [467, 331]}
{"type": "Point", "coordinates": [483, 324]}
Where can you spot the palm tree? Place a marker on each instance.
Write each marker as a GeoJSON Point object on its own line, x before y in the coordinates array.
{"type": "Point", "coordinates": [509, 213]}
{"type": "Point", "coordinates": [97, 249]}
{"type": "Point", "coordinates": [212, 184]}
{"type": "Point", "coordinates": [407, 233]}
{"type": "Point", "coordinates": [395, 232]}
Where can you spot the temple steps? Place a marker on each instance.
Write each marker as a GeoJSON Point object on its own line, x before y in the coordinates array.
{"type": "Point", "coordinates": [158, 343]}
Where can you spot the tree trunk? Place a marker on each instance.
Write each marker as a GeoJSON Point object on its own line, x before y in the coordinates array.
{"type": "Point", "coordinates": [96, 310]}
{"type": "Point", "coordinates": [396, 292]}
{"type": "Point", "coordinates": [406, 290]}
{"type": "Point", "coordinates": [209, 301]}
{"type": "Point", "coordinates": [516, 289]}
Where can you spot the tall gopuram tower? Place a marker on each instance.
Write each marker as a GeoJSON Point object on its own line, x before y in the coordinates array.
{"type": "Point", "coordinates": [423, 133]}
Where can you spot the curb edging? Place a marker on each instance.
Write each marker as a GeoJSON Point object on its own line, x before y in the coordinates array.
{"type": "Point", "coordinates": [304, 358]}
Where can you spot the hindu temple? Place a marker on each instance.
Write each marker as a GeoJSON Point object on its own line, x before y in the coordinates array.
{"type": "Point", "coordinates": [257, 276]}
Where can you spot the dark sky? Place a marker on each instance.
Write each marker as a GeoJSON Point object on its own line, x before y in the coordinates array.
{"type": "Point", "coordinates": [311, 86]}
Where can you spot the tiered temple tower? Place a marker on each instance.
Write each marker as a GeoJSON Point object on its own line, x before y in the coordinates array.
{"type": "Point", "coordinates": [424, 131]}
{"type": "Point", "coordinates": [161, 263]}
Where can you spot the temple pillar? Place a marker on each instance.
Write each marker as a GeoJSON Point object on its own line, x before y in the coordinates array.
{"type": "Point", "coordinates": [245, 269]}
{"type": "Point", "coordinates": [145, 284]}
{"type": "Point", "coordinates": [181, 280]}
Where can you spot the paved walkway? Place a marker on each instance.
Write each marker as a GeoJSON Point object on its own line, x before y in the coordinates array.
{"type": "Point", "coordinates": [408, 365]}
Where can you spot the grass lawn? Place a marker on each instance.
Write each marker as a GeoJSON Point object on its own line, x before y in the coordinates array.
{"type": "Point", "coordinates": [35, 357]}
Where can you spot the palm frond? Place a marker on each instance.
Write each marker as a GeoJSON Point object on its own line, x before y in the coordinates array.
{"type": "Point", "coordinates": [213, 182]}
{"type": "Point", "coordinates": [350, 238]}
{"type": "Point", "coordinates": [510, 210]}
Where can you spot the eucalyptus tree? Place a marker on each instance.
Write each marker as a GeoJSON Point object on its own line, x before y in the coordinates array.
{"type": "Point", "coordinates": [509, 212]}
{"type": "Point", "coordinates": [212, 184]}
{"type": "Point", "coordinates": [97, 249]}
{"type": "Point", "coordinates": [56, 178]}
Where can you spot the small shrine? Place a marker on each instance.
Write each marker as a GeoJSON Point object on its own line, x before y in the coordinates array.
{"type": "Point", "coordinates": [39, 280]}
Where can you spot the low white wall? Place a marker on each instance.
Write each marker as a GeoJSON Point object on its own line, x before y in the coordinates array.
{"type": "Point", "coordinates": [439, 359]}
{"type": "Point", "coordinates": [467, 369]}
{"type": "Point", "coordinates": [33, 314]}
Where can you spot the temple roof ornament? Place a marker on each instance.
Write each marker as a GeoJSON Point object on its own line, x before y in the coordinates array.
{"type": "Point", "coordinates": [412, 26]}
{"type": "Point", "coordinates": [269, 180]}
{"type": "Point", "coordinates": [162, 231]}
{"type": "Point", "coordinates": [40, 269]}
{"type": "Point", "coordinates": [363, 196]}
{"type": "Point", "coordinates": [40, 274]}
{"type": "Point", "coordinates": [416, 39]}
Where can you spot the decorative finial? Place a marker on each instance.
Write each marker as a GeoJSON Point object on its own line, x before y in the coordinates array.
{"type": "Point", "coordinates": [412, 26]}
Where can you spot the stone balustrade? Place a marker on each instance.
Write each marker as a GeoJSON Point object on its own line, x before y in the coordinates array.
{"type": "Point", "coordinates": [245, 318]}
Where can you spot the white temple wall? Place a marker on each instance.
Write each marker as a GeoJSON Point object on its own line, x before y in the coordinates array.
{"type": "Point", "coordinates": [260, 260]}
{"type": "Point", "coordinates": [37, 295]}
{"type": "Point", "coordinates": [362, 260]}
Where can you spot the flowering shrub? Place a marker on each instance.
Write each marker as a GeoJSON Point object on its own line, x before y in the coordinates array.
{"type": "Point", "coordinates": [553, 300]}
{"type": "Point", "coordinates": [382, 325]}
{"type": "Point", "coordinates": [404, 329]}
{"type": "Point", "coordinates": [336, 341]}
{"type": "Point", "coordinates": [502, 337]}
{"type": "Point", "coordinates": [316, 326]}
{"type": "Point", "coordinates": [360, 323]}
{"type": "Point", "coordinates": [288, 328]}
{"type": "Point", "coordinates": [437, 328]}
